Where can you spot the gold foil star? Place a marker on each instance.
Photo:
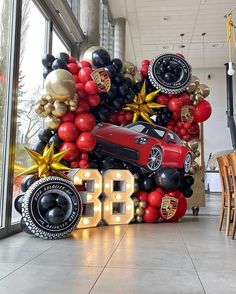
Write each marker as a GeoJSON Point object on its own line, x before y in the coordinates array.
{"type": "Point", "coordinates": [47, 164]}
{"type": "Point", "coordinates": [143, 105]}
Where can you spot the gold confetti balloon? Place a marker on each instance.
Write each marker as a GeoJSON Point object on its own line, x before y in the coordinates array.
{"type": "Point", "coordinates": [60, 85]}
{"type": "Point", "coordinates": [142, 204]}
{"type": "Point", "coordinates": [139, 211]}
{"type": "Point", "coordinates": [129, 67]}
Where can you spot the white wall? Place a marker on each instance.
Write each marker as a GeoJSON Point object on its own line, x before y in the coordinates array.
{"type": "Point", "coordinates": [216, 134]}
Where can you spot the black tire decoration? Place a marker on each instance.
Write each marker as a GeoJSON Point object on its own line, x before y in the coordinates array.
{"type": "Point", "coordinates": [169, 72]}
{"type": "Point", "coordinates": [36, 218]}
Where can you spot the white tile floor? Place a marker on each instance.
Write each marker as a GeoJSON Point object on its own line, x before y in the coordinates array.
{"type": "Point", "coordinates": [191, 256]}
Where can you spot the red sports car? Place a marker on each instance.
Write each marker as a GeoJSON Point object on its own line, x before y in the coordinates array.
{"type": "Point", "coordinates": [143, 144]}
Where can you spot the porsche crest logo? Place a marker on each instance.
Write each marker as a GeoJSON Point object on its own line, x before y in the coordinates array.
{"type": "Point", "coordinates": [102, 79]}
{"type": "Point", "coordinates": [169, 206]}
{"type": "Point", "coordinates": [187, 113]}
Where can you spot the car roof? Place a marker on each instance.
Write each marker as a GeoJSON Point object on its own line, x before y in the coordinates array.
{"type": "Point", "coordinates": [147, 125]}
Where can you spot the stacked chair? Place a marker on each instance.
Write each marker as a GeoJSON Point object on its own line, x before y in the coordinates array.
{"type": "Point", "coordinates": [227, 173]}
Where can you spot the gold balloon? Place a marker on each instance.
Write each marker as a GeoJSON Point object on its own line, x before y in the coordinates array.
{"type": "Point", "coordinates": [136, 186]}
{"type": "Point", "coordinates": [38, 109]}
{"type": "Point", "coordinates": [195, 165]}
{"type": "Point", "coordinates": [43, 100]}
{"type": "Point", "coordinates": [136, 202]}
{"type": "Point", "coordinates": [139, 219]}
{"type": "Point", "coordinates": [137, 77]}
{"type": "Point", "coordinates": [192, 171]}
{"type": "Point", "coordinates": [197, 153]}
{"type": "Point", "coordinates": [48, 108]}
{"type": "Point", "coordinates": [195, 80]}
{"type": "Point", "coordinates": [72, 108]}
{"type": "Point", "coordinates": [60, 109]}
{"type": "Point", "coordinates": [191, 87]}
{"type": "Point", "coordinates": [142, 204]}
{"type": "Point", "coordinates": [139, 211]}
{"type": "Point", "coordinates": [204, 90]}
{"type": "Point", "coordinates": [193, 144]}
{"type": "Point", "coordinates": [129, 67]}
{"type": "Point", "coordinates": [129, 76]}
{"type": "Point", "coordinates": [60, 85]}
{"type": "Point", "coordinates": [52, 122]}
{"type": "Point", "coordinates": [198, 97]}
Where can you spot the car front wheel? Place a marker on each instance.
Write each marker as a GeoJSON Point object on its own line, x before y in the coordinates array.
{"type": "Point", "coordinates": [187, 162]}
{"type": "Point", "coordinates": [155, 158]}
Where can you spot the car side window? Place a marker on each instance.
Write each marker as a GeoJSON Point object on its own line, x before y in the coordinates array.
{"type": "Point", "coordinates": [170, 136]}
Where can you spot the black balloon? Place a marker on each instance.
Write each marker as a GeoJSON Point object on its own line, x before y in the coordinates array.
{"type": "Point", "coordinates": [117, 63]}
{"type": "Point", "coordinates": [56, 140]}
{"type": "Point", "coordinates": [18, 203]}
{"type": "Point", "coordinates": [188, 192]}
{"type": "Point", "coordinates": [188, 181]}
{"type": "Point", "coordinates": [47, 60]}
{"type": "Point", "coordinates": [119, 79]}
{"type": "Point", "coordinates": [27, 182]}
{"type": "Point", "coordinates": [55, 216]}
{"type": "Point", "coordinates": [63, 56]}
{"type": "Point", "coordinates": [118, 103]}
{"type": "Point", "coordinates": [146, 184]}
{"type": "Point", "coordinates": [24, 227]}
{"type": "Point", "coordinates": [44, 135]}
{"type": "Point", "coordinates": [111, 71]}
{"type": "Point", "coordinates": [108, 163]}
{"type": "Point", "coordinates": [46, 71]}
{"type": "Point", "coordinates": [123, 90]}
{"type": "Point", "coordinates": [100, 58]}
{"type": "Point", "coordinates": [128, 81]}
{"type": "Point", "coordinates": [111, 94]}
{"type": "Point", "coordinates": [46, 202]}
{"type": "Point", "coordinates": [102, 114]}
{"type": "Point", "coordinates": [59, 64]}
{"type": "Point", "coordinates": [168, 178]}
{"type": "Point", "coordinates": [38, 147]}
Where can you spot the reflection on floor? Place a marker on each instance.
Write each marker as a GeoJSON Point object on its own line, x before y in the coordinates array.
{"type": "Point", "coordinates": [191, 256]}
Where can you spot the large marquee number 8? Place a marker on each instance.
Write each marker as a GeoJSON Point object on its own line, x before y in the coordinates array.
{"type": "Point", "coordinates": [92, 205]}
{"type": "Point", "coordinates": [118, 186]}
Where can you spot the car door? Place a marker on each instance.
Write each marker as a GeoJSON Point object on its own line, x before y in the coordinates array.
{"type": "Point", "coordinates": [172, 150]}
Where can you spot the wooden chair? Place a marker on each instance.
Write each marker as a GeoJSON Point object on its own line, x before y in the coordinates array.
{"type": "Point", "coordinates": [232, 162]}
{"type": "Point", "coordinates": [226, 198]}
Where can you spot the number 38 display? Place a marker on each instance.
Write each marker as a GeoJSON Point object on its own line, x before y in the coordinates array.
{"type": "Point", "coordinates": [107, 196]}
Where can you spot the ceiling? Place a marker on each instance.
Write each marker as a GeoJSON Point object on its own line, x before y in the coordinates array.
{"type": "Point", "coordinates": [154, 27]}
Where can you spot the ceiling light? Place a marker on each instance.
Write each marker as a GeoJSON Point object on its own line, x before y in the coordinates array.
{"type": "Point", "coordinates": [166, 17]}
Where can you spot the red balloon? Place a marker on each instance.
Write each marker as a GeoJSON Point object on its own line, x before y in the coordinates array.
{"type": "Point", "coordinates": [179, 124]}
{"type": "Point", "coordinates": [73, 68]}
{"type": "Point", "coordinates": [145, 62]}
{"type": "Point", "coordinates": [86, 142]}
{"type": "Point", "coordinates": [202, 111]}
{"type": "Point", "coordinates": [128, 116]}
{"type": "Point", "coordinates": [94, 100]}
{"type": "Point", "coordinates": [186, 138]}
{"type": "Point", "coordinates": [82, 107]}
{"type": "Point", "coordinates": [163, 99]}
{"type": "Point", "coordinates": [68, 131]}
{"type": "Point", "coordinates": [74, 164]}
{"type": "Point", "coordinates": [69, 116]}
{"type": "Point", "coordinates": [84, 156]}
{"type": "Point", "coordinates": [183, 132]}
{"type": "Point", "coordinates": [184, 98]}
{"type": "Point", "coordinates": [121, 118]}
{"type": "Point", "coordinates": [175, 104]}
{"type": "Point", "coordinates": [72, 59]}
{"type": "Point", "coordinates": [84, 74]}
{"type": "Point", "coordinates": [154, 199]}
{"type": "Point", "coordinates": [151, 214]}
{"type": "Point", "coordinates": [194, 129]}
{"type": "Point", "coordinates": [160, 190]}
{"type": "Point", "coordinates": [72, 153]}
{"type": "Point", "coordinates": [84, 63]}
{"type": "Point", "coordinates": [79, 87]}
{"type": "Point", "coordinates": [76, 78]}
{"type": "Point", "coordinates": [91, 88]}
{"type": "Point", "coordinates": [83, 163]}
{"type": "Point", "coordinates": [187, 125]}
{"type": "Point", "coordinates": [85, 122]}
{"type": "Point", "coordinates": [142, 196]}
{"type": "Point", "coordinates": [176, 116]}
{"type": "Point", "coordinates": [144, 71]}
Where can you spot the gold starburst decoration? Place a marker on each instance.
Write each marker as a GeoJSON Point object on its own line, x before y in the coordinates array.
{"type": "Point", "coordinates": [143, 105]}
{"type": "Point", "coordinates": [47, 164]}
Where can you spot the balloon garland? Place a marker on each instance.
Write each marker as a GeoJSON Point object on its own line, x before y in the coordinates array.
{"type": "Point", "coordinates": [80, 94]}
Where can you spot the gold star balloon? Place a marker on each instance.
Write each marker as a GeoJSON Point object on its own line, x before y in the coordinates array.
{"type": "Point", "coordinates": [143, 105]}
{"type": "Point", "coordinates": [47, 164]}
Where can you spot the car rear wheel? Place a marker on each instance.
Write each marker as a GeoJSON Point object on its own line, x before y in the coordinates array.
{"type": "Point", "coordinates": [187, 162]}
{"type": "Point", "coordinates": [155, 158]}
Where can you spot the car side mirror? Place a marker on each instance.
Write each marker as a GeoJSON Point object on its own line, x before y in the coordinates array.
{"type": "Point", "coordinates": [170, 140]}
